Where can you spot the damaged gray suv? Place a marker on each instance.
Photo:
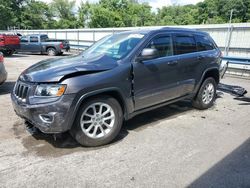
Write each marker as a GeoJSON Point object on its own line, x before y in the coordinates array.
{"type": "Point", "coordinates": [120, 76]}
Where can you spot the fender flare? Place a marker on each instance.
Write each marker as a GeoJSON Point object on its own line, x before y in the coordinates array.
{"type": "Point", "coordinates": [81, 96]}
{"type": "Point", "coordinates": [203, 76]}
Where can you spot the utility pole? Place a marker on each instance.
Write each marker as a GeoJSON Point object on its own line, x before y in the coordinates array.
{"type": "Point", "coordinates": [231, 16]}
{"type": "Point", "coordinates": [228, 38]}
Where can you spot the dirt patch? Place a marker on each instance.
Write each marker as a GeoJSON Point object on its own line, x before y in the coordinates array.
{"type": "Point", "coordinates": [19, 129]}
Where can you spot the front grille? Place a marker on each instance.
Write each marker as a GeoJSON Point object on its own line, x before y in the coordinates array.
{"type": "Point", "coordinates": [21, 91]}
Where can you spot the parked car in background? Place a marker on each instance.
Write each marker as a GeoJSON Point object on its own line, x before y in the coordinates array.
{"type": "Point", "coordinates": [9, 44]}
{"type": "Point", "coordinates": [117, 78]}
{"type": "Point", "coordinates": [3, 73]}
{"type": "Point", "coordinates": [42, 44]}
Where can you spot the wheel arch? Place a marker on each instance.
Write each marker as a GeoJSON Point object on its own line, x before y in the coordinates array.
{"type": "Point", "coordinates": [211, 72]}
{"type": "Point", "coordinates": [47, 47]}
{"type": "Point", "coordinates": [214, 73]}
{"type": "Point", "coordinates": [113, 92]}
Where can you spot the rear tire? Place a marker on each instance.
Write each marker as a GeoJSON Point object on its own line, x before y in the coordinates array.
{"type": "Point", "coordinates": [206, 95]}
{"type": "Point", "coordinates": [98, 121]}
{"type": "Point", "coordinates": [52, 52]}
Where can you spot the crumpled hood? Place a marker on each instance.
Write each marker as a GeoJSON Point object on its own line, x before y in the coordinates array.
{"type": "Point", "coordinates": [53, 70]}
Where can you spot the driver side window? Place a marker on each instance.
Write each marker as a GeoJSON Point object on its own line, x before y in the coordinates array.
{"type": "Point", "coordinates": [163, 45]}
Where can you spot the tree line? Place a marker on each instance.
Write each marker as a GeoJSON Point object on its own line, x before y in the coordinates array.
{"type": "Point", "coordinates": [35, 14]}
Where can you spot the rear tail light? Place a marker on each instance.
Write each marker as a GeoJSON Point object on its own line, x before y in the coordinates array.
{"type": "Point", "coordinates": [61, 45]}
{"type": "Point", "coordinates": [1, 58]}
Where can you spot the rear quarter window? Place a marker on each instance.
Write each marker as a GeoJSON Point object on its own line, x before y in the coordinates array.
{"type": "Point", "coordinates": [204, 43]}
{"type": "Point", "coordinates": [44, 38]}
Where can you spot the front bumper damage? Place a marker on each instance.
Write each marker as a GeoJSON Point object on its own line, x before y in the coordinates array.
{"type": "Point", "coordinates": [50, 117]}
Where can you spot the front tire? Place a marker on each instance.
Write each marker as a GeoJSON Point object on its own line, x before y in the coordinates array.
{"type": "Point", "coordinates": [8, 53]}
{"type": "Point", "coordinates": [206, 95]}
{"type": "Point", "coordinates": [98, 122]}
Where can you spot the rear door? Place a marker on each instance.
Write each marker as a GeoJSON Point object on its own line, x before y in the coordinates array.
{"type": "Point", "coordinates": [186, 51]}
{"type": "Point", "coordinates": [155, 80]}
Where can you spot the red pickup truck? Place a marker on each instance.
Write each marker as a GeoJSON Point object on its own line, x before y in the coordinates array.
{"type": "Point", "coordinates": [9, 44]}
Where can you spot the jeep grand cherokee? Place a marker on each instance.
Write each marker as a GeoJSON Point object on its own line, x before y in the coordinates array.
{"type": "Point", "coordinates": [120, 76]}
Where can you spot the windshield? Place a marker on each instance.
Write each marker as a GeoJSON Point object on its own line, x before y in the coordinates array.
{"type": "Point", "coordinates": [115, 46]}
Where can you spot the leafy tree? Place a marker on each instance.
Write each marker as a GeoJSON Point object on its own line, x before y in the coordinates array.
{"type": "Point", "coordinates": [138, 15]}
{"type": "Point", "coordinates": [120, 13]}
{"type": "Point", "coordinates": [178, 15]}
{"type": "Point", "coordinates": [101, 17]}
{"type": "Point", "coordinates": [84, 14]}
{"type": "Point", "coordinates": [218, 11]}
{"type": "Point", "coordinates": [64, 11]}
{"type": "Point", "coordinates": [9, 11]}
{"type": "Point", "coordinates": [36, 15]}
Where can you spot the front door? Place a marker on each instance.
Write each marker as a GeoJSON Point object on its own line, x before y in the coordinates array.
{"type": "Point", "coordinates": [24, 44]}
{"type": "Point", "coordinates": [155, 80]}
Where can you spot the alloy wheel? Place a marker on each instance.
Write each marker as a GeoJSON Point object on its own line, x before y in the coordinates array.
{"type": "Point", "coordinates": [97, 120]}
{"type": "Point", "coordinates": [208, 93]}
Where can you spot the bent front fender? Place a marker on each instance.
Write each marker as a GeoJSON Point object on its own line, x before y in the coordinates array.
{"type": "Point", "coordinates": [81, 97]}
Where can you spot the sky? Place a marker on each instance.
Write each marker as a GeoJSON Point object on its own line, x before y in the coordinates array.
{"type": "Point", "coordinates": [153, 3]}
{"type": "Point", "coordinates": [160, 3]}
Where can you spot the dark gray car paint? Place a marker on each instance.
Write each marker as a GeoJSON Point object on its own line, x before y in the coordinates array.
{"type": "Point", "coordinates": [52, 70]}
{"type": "Point", "coordinates": [140, 85]}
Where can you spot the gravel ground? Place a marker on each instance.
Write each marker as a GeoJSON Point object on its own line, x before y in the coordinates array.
{"type": "Point", "coordinates": [174, 146]}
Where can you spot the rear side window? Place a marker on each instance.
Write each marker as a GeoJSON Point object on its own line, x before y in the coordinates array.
{"type": "Point", "coordinates": [203, 43]}
{"type": "Point", "coordinates": [163, 45]}
{"type": "Point", "coordinates": [43, 38]}
{"type": "Point", "coordinates": [33, 39]}
{"type": "Point", "coordinates": [185, 44]}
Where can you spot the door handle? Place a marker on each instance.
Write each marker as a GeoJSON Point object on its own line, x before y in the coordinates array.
{"type": "Point", "coordinates": [172, 63]}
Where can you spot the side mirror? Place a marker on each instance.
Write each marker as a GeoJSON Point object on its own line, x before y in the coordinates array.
{"type": "Point", "coordinates": [147, 54]}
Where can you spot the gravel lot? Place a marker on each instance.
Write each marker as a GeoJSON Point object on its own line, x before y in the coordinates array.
{"type": "Point", "coordinates": [174, 146]}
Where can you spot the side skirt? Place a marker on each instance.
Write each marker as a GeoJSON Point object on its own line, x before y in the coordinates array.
{"type": "Point", "coordinates": [135, 113]}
